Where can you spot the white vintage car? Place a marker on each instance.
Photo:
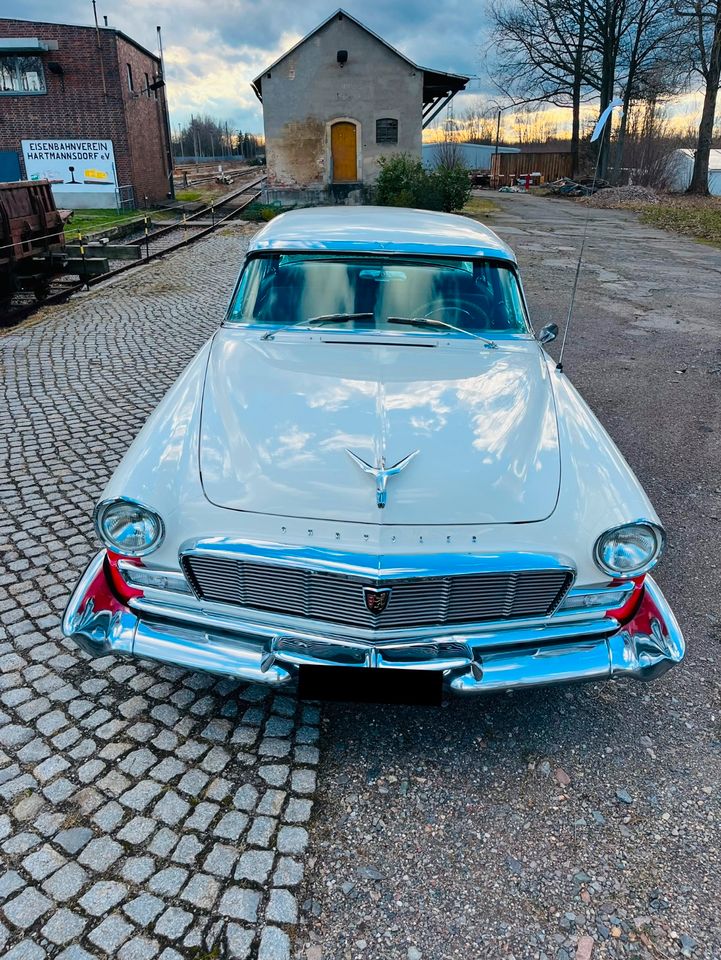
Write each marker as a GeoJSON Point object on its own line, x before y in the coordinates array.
{"type": "Point", "coordinates": [374, 464]}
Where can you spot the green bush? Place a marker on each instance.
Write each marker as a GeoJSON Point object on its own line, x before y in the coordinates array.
{"type": "Point", "coordinates": [401, 182]}
{"type": "Point", "coordinates": [404, 182]}
{"type": "Point", "coordinates": [451, 185]}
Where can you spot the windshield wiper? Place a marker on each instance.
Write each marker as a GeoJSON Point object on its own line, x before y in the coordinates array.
{"type": "Point", "coordinates": [442, 325]}
{"type": "Point", "coordinates": [323, 318]}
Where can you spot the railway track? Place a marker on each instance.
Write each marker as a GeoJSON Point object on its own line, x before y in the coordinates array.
{"type": "Point", "coordinates": [208, 178]}
{"type": "Point", "coordinates": [152, 243]}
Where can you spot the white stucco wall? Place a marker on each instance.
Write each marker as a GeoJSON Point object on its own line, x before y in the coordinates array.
{"type": "Point", "coordinates": [307, 90]}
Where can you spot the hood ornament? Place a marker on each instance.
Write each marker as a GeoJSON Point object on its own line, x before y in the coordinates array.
{"type": "Point", "coordinates": [381, 473]}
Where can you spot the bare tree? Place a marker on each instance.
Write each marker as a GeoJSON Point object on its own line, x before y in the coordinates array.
{"type": "Point", "coordinates": [701, 25]}
{"type": "Point", "coordinates": [568, 51]}
{"type": "Point", "coordinates": [648, 70]}
{"type": "Point", "coordinates": [477, 124]}
{"type": "Point", "coordinates": [542, 49]}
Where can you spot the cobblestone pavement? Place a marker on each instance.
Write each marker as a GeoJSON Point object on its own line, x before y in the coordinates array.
{"type": "Point", "coordinates": [145, 811]}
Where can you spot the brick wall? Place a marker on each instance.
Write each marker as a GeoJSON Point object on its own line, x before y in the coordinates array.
{"type": "Point", "coordinates": [146, 136]}
{"type": "Point", "coordinates": [76, 106]}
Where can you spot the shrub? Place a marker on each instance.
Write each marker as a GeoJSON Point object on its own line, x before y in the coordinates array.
{"type": "Point", "coordinates": [259, 213]}
{"type": "Point", "coordinates": [452, 186]}
{"type": "Point", "coordinates": [401, 182]}
{"type": "Point", "coordinates": [404, 182]}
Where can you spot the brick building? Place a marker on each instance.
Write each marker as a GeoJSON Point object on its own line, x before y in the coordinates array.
{"type": "Point", "coordinates": [85, 108]}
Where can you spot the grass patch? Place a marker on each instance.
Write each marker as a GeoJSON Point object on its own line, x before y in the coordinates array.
{"type": "Point", "coordinates": [90, 221]}
{"type": "Point", "coordinates": [189, 196]}
{"type": "Point", "coordinates": [697, 218]}
{"type": "Point", "coordinates": [479, 207]}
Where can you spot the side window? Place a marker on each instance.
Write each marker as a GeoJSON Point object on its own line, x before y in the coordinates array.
{"type": "Point", "coordinates": [146, 91]}
{"type": "Point", "coordinates": [130, 77]}
{"type": "Point", "coordinates": [21, 75]}
{"type": "Point", "coordinates": [386, 130]}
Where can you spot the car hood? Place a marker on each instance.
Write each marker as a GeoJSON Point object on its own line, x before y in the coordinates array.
{"type": "Point", "coordinates": [280, 415]}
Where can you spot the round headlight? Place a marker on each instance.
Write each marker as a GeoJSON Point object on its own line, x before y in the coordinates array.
{"type": "Point", "coordinates": [631, 549]}
{"type": "Point", "coordinates": [128, 527]}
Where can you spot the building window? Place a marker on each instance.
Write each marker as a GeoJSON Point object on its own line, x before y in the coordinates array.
{"type": "Point", "coordinates": [147, 86]}
{"type": "Point", "coordinates": [21, 75]}
{"type": "Point", "coordinates": [130, 77]}
{"type": "Point", "coordinates": [386, 130]}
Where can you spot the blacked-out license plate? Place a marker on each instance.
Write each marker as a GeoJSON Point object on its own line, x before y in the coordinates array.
{"type": "Point", "coordinates": [370, 685]}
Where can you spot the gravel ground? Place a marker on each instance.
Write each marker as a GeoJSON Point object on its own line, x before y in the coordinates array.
{"type": "Point", "coordinates": [148, 812]}
{"type": "Point", "coordinates": [145, 811]}
{"type": "Point", "coordinates": [569, 822]}
{"type": "Point", "coordinates": [612, 197]}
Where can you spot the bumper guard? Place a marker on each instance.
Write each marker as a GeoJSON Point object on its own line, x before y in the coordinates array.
{"type": "Point", "coordinates": [512, 658]}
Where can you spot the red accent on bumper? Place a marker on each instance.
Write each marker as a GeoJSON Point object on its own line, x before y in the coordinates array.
{"type": "Point", "coordinates": [102, 590]}
{"type": "Point", "coordinates": [120, 588]}
{"type": "Point", "coordinates": [628, 610]}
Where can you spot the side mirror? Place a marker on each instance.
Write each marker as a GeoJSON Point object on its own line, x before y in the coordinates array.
{"type": "Point", "coordinates": [547, 333]}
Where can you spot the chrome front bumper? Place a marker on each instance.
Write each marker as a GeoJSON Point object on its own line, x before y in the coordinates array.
{"type": "Point", "coordinates": [482, 662]}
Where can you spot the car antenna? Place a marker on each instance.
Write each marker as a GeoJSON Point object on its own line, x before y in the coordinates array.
{"type": "Point", "coordinates": [597, 131]}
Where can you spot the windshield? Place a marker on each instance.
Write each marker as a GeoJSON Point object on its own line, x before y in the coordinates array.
{"type": "Point", "coordinates": [361, 293]}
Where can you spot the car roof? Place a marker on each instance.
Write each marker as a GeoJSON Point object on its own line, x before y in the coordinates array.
{"type": "Point", "coordinates": [366, 229]}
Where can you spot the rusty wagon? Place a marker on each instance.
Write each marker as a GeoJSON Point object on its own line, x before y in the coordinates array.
{"type": "Point", "coordinates": [31, 230]}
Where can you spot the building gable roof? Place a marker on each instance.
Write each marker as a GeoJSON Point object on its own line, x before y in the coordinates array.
{"type": "Point", "coordinates": [436, 83]}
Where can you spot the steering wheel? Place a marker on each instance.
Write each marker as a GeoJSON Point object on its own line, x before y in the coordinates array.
{"type": "Point", "coordinates": [461, 309]}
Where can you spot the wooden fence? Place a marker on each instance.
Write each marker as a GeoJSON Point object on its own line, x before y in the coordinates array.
{"type": "Point", "coordinates": [506, 167]}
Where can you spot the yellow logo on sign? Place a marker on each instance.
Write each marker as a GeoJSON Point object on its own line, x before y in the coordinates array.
{"type": "Point", "coordinates": [96, 175]}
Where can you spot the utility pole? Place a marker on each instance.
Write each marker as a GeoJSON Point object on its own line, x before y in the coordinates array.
{"type": "Point", "coordinates": [166, 117]}
{"type": "Point", "coordinates": [100, 50]}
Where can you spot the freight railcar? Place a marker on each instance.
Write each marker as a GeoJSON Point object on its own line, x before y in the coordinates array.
{"type": "Point", "coordinates": [31, 233]}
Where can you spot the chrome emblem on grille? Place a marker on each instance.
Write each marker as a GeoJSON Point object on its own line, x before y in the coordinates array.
{"type": "Point", "coordinates": [381, 474]}
{"type": "Point", "coordinates": [376, 598]}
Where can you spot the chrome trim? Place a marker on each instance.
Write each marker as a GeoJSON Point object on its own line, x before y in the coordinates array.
{"type": "Point", "coordinates": [173, 576]}
{"type": "Point", "coordinates": [625, 588]}
{"type": "Point", "coordinates": [98, 632]}
{"type": "Point", "coordinates": [441, 575]}
{"type": "Point", "coordinates": [644, 648]}
{"type": "Point", "coordinates": [382, 474]}
{"type": "Point", "coordinates": [387, 566]}
{"type": "Point", "coordinates": [482, 635]}
{"type": "Point", "coordinates": [660, 547]}
{"type": "Point", "coordinates": [102, 506]}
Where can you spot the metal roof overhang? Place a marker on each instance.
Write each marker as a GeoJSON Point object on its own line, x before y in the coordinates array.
{"type": "Point", "coordinates": [438, 90]}
{"type": "Point", "coordinates": [26, 45]}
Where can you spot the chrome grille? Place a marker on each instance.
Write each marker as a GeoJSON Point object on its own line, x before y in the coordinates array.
{"type": "Point", "coordinates": [414, 602]}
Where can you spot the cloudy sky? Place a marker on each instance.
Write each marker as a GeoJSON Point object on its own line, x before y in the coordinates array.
{"type": "Point", "coordinates": [213, 49]}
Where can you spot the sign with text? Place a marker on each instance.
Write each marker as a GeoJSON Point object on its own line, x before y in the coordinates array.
{"type": "Point", "coordinates": [72, 166]}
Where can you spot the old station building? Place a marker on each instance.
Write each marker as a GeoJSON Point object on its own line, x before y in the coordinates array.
{"type": "Point", "coordinates": [339, 100]}
{"type": "Point", "coordinates": [84, 108]}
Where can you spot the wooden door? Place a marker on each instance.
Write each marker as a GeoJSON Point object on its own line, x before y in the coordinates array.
{"type": "Point", "coordinates": [343, 152]}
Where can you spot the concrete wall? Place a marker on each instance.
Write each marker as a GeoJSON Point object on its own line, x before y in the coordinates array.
{"type": "Point", "coordinates": [308, 90]}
